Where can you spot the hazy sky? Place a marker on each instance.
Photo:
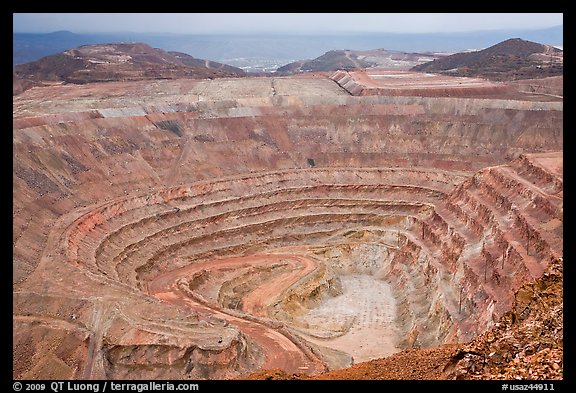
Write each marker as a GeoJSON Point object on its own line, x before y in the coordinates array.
{"type": "Point", "coordinates": [280, 22]}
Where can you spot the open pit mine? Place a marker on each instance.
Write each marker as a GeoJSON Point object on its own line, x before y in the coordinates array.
{"type": "Point", "coordinates": [210, 229]}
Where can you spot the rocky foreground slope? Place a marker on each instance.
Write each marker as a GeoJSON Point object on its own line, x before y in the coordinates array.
{"type": "Point", "coordinates": [215, 228]}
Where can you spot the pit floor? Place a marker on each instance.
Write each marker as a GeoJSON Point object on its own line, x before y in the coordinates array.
{"type": "Point", "coordinates": [373, 334]}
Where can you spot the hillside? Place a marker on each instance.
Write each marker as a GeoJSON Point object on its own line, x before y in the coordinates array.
{"type": "Point", "coordinates": [248, 50]}
{"type": "Point", "coordinates": [354, 59]}
{"type": "Point", "coordinates": [512, 59]}
{"type": "Point", "coordinates": [117, 62]}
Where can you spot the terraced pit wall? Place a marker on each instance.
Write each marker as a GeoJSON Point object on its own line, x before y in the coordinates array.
{"type": "Point", "coordinates": [144, 223]}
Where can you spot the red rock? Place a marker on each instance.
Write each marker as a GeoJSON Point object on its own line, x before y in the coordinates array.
{"type": "Point", "coordinates": [120, 193]}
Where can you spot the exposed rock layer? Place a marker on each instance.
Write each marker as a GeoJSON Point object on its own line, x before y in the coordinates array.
{"type": "Point", "coordinates": [186, 229]}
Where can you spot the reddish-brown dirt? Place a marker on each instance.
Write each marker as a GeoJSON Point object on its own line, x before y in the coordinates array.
{"type": "Point", "coordinates": [279, 351]}
{"type": "Point", "coordinates": [526, 344]}
{"type": "Point", "coordinates": [210, 229]}
{"type": "Point", "coordinates": [409, 83]}
{"type": "Point", "coordinates": [412, 364]}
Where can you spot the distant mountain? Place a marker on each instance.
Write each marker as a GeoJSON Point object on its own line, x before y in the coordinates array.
{"type": "Point", "coordinates": [252, 52]}
{"type": "Point", "coordinates": [354, 59]}
{"type": "Point", "coordinates": [117, 62]}
{"type": "Point", "coordinates": [508, 60]}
